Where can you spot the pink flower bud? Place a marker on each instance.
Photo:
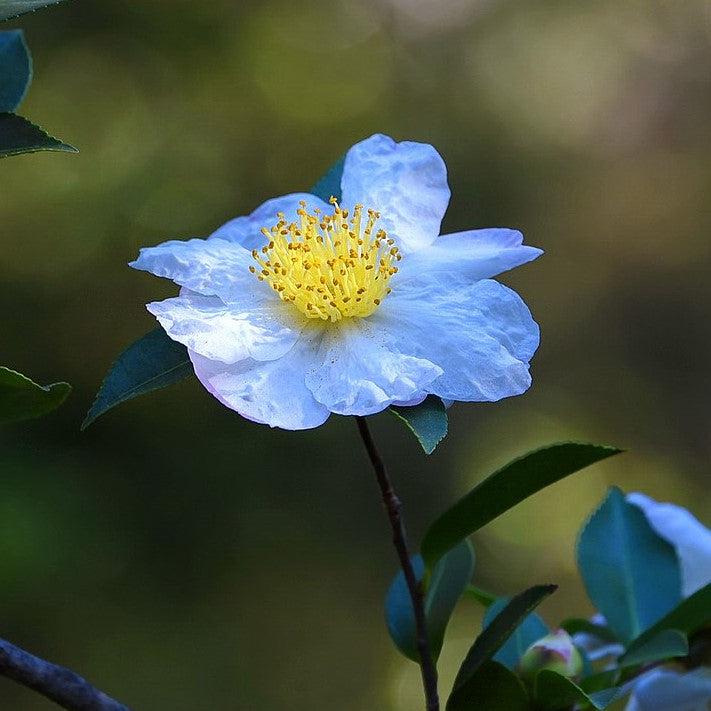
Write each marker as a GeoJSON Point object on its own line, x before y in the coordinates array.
{"type": "Point", "coordinates": [555, 652]}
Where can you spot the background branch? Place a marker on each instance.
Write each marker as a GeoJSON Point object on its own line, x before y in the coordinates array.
{"type": "Point", "coordinates": [58, 684]}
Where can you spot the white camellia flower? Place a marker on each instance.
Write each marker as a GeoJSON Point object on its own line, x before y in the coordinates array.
{"type": "Point", "coordinates": [305, 308]}
{"type": "Point", "coordinates": [668, 689]}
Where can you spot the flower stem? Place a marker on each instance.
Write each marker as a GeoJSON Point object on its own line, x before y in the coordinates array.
{"type": "Point", "coordinates": [394, 511]}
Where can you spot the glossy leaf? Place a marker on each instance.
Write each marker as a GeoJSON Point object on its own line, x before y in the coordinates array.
{"type": "Point", "coordinates": [493, 637]}
{"type": "Point", "coordinates": [330, 184]}
{"type": "Point", "coordinates": [493, 688]}
{"type": "Point", "coordinates": [667, 644]}
{"type": "Point", "coordinates": [631, 574]}
{"type": "Point", "coordinates": [531, 629]}
{"type": "Point", "coordinates": [15, 69]}
{"type": "Point", "coordinates": [152, 362]}
{"type": "Point", "coordinates": [18, 135]}
{"type": "Point", "coordinates": [427, 421]}
{"type": "Point", "coordinates": [14, 8]}
{"type": "Point", "coordinates": [505, 488]}
{"type": "Point", "coordinates": [555, 692]}
{"type": "Point", "coordinates": [448, 581]}
{"type": "Point", "coordinates": [23, 399]}
{"type": "Point", "coordinates": [688, 617]}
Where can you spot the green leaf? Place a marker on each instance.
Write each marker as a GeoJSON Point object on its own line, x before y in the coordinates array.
{"type": "Point", "coordinates": [427, 421]}
{"type": "Point", "coordinates": [14, 8]}
{"type": "Point", "coordinates": [330, 184]}
{"type": "Point", "coordinates": [495, 636]}
{"type": "Point", "coordinates": [555, 692]}
{"type": "Point", "coordinates": [18, 135]}
{"type": "Point", "coordinates": [493, 688]}
{"type": "Point", "coordinates": [667, 644]}
{"type": "Point", "coordinates": [23, 399]}
{"type": "Point", "coordinates": [688, 617]}
{"type": "Point", "coordinates": [152, 362]}
{"type": "Point", "coordinates": [483, 597]}
{"type": "Point", "coordinates": [15, 69]}
{"type": "Point", "coordinates": [631, 574]}
{"type": "Point", "coordinates": [531, 629]}
{"type": "Point", "coordinates": [505, 488]}
{"type": "Point", "coordinates": [575, 625]}
{"type": "Point", "coordinates": [446, 584]}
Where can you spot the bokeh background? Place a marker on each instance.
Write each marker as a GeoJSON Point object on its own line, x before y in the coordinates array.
{"type": "Point", "coordinates": [183, 558]}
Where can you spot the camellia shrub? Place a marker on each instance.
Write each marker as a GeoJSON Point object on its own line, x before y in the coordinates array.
{"type": "Point", "coordinates": [346, 300]}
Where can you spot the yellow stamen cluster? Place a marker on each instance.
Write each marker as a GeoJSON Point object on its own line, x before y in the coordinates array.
{"type": "Point", "coordinates": [330, 267]}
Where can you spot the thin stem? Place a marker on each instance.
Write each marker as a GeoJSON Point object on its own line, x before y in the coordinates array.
{"type": "Point", "coordinates": [394, 511]}
{"type": "Point", "coordinates": [58, 684]}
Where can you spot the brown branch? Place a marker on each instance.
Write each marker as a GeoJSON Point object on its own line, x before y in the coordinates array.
{"type": "Point", "coordinates": [58, 684]}
{"type": "Point", "coordinates": [394, 510]}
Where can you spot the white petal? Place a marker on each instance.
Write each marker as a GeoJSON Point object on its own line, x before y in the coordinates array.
{"type": "Point", "coordinates": [211, 268]}
{"type": "Point", "coordinates": [204, 324]}
{"type": "Point", "coordinates": [246, 230]}
{"type": "Point", "coordinates": [358, 373]}
{"type": "Point", "coordinates": [690, 538]}
{"type": "Point", "coordinates": [272, 393]}
{"type": "Point", "coordinates": [468, 256]}
{"type": "Point", "coordinates": [406, 182]}
{"type": "Point", "coordinates": [666, 690]}
{"type": "Point", "coordinates": [482, 335]}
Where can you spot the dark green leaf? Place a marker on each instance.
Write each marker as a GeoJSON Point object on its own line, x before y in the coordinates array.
{"type": "Point", "coordinates": [575, 625]}
{"type": "Point", "coordinates": [505, 488]}
{"type": "Point", "coordinates": [15, 69]}
{"type": "Point", "coordinates": [14, 8]}
{"type": "Point", "coordinates": [492, 688]}
{"type": "Point", "coordinates": [493, 637]}
{"type": "Point", "coordinates": [152, 362]}
{"type": "Point", "coordinates": [631, 574]}
{"type": "Point", "coordinates": [427, 421]}
{"type": "Point", "coordinates": [330, 184]}
{"type": "Point", "coordinates": [446, 585]}
{"type": "Point", "coordinates": [531, 629]}
{"type": "Point", "coordinates": [688, 617]}
{"type": "Point", "coordinates": [18, 135]}
{"type": "Point", "coordinates": [667, 644]}
{"type": "Point", "coordinates": [23, 399]}
{"type": "Point", "coordinates": [554, 692]}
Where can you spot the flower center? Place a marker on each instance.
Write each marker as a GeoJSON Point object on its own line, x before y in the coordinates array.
{"type": "Point", "coordinates": [330, 267]}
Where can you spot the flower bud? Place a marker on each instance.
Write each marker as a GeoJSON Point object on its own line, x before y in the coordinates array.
{"type": "Point", "coordinates": [555, 652]}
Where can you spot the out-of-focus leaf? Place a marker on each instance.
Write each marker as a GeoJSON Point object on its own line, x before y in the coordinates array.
{"type": "Point", "coordinates": [18, 135]}
{"type": "Point", "coordinates": [493, 637]}
{"type": "Point", "coordinates": [492, 688]}
{"type": "Point", "coordinates": [152, 362]}
{"type": "Point", "coordinates": [15, 69]}
{"type": "Point", "coordinates": [667, 644]}
{"type": "Point", "coordinates": [446, 585]}
{"type": "Point", "coordinates": [631, 574]}
{"type": "Point", "coordinates": [427, 421]}
{"type": "Point", "coordinates": [505, 488]}
{"type": "Point", "coordinates": [330, 184]}
{"type": "Point", "coordinates": [14, 8]}
{"type": "Point", "coordinates": [531, 629]}
{"type": "Point", "coordinates": [483, 597]}
{"type": "Point", "coordinates": [688, 617]}
{"type": "Point", "coordinates": [555, 692]}
{"type": "Point", "coordinates": [22, 399]}
{"type": "Point", "coordinates": [576, 625]}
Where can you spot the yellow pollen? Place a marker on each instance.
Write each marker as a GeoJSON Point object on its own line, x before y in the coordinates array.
{"type": "Point", "coordinates": [330, 267]}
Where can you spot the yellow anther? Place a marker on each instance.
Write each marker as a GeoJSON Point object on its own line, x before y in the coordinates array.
{"type": "Point", "coordinates": [330, 267]}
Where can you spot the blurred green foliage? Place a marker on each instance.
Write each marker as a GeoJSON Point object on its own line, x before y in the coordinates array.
{"type": "Point", "coordinates": [183, 558]}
